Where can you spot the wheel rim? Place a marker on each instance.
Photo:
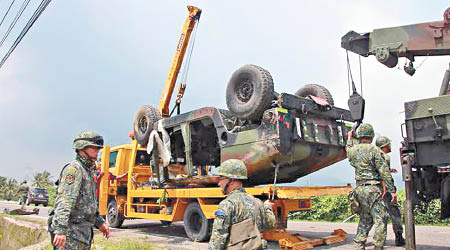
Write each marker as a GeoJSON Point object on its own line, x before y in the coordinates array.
{"type": "Point", "coordinates": [112, 215]}
{"type": "Point", "coordinates": [143, 124]}
{"type": "Point", "coordinates": [244, 90]}
{"type": "Point", "coordinates": [196, 222]}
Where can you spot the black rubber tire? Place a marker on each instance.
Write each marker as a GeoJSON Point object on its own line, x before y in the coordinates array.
{"type": "Point", "coordinates": [317, 90]}
{"type": "Point", "coordinates": [249, 92]}
{"type": "Point", "coordinates": [445, 198]}
{"type": "Point", "coordinates": [144, 119]}
{"type": "Point", "coordinates": [113, 217]}
{"type": "Point", "coordinates": [165, 222]}
{"type": "Point", "coordinates": [197, 227]}
{"type": "Point", "coordinates": [45, 204]}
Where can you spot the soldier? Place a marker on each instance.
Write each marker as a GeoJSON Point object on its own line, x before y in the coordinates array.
{"type": "Point", "coordinates": [241, 217]}
{"type": "Point", "coordinates": [75, 211]}
{"type": "Point", "coordinates": [384, 144]}
{"type": "Point", "coordinates": [370, 170]}
{"type": "Point", "coordinates": [23, 192]}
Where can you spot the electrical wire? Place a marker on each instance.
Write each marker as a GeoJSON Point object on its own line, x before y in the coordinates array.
{"type": "Point", "coordinates": [37, 13]}
{"type": "Point", "coordinates": [16, 18]}
{"type": "Point", "coordinates": [9, 8]}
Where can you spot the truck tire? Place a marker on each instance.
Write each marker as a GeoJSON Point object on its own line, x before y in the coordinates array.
{"type": "Point", "coordinates": [317, 90]}
{"type": "Point", "coordinates": [249, 92]}
{"type": "Point", "coordinates": [445, 198]}
{"type": "Point", "coordinates": [144, 119]}
{"type": "Point", "coordinates": [113, 216]}
{"type": "Point", "coordinates": [197, 227]}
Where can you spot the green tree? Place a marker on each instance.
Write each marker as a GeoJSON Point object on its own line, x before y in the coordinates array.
{"type": "Point", "coordinates": [2, 187]}
{"type": "Point", "coordinates": [2, 181]}
{"type": "Point", "coordinates": [10, 189]}
{"type": "Point", "coordinates": [42, 179]}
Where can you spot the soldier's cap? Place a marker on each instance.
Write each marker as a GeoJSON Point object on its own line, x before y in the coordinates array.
{"type": "Point", "coordinates": [365, 130]}
{"type": "Point", "coordinates": [88, 138]}
{"type": "Point", "coordinates": [234, 169]}
{"type": "Point", "coordinates": [382, 141]}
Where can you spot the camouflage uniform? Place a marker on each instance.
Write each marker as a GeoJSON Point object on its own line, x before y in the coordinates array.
{"type": "Point", "coordinates": [237, 207]}
{"type": "Point", "coordinates": [76, 211]}
{"type": "Point", "coordinates": [370, 168]}
{"type": "Point", "coordinates": [392, 208]}
{"type": "Point", "coordinates": [23, 192]}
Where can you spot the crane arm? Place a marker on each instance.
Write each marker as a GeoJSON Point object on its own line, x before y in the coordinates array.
{"type": "Point", "coordinates": [388, 44]}
{"type": "Point", "coordinates": [183, 42]}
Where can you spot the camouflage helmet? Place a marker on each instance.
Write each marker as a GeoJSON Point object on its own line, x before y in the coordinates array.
{"type": "Point", "coordinates": [87, 138]}
{"type": "Point", "coordinates": [365, 130]}
{"type": "Point", "coordinates": [234, 169]}
{"type": "Point", "coordinates": [382, 141]}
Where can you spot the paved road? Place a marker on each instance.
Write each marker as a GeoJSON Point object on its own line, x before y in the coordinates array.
{"type": "Point", "coordinates": [174, 237]}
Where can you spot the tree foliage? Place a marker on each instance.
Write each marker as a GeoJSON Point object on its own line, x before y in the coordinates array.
{"type": "Point", "coordinates": [8, 189]}
{"type": "Point", "coordinates": [42, 179]}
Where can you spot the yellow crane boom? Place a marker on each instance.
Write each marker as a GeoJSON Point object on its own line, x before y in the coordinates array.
{"type": "Point", "coordinates": [192, 19]}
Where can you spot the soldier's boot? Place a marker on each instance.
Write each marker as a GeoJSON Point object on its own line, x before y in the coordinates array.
{"type": "Point", "coordinates": [359, 245]}
{"type": "Point", "coordinates": [399, 240]}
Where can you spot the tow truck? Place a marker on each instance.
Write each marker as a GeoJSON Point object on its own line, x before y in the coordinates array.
{"type": "Point", "coordinates": [171, 162]}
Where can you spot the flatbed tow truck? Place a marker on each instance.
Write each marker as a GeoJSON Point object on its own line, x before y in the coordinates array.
{"type": "Point", "coordinates": [170, 165]}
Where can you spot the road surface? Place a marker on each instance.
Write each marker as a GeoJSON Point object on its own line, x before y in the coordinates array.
{"type": "Point", "coordinates": [174, 237]}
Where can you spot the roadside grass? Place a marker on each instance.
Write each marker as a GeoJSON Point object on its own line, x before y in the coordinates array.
{"type": "Point", "coordinates": [117, 244]}
{"type": "Point", "coordinates": [16, 235]}
{"type": "Point", "coordinates": [41, 222]}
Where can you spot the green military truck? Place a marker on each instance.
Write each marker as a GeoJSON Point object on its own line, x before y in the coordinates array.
{"type": "Point", "coordinates": [426, 132]}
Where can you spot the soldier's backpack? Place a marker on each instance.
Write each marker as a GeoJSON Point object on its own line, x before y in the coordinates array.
{"type": "Point", "coordinates": [245, 235]}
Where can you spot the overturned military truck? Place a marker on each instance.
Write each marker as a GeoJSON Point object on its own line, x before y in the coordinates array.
{"type": "Point", "coordinates": [171, 164]}
{"type": "Point", "coordinates": [293, 134]}
{"type": "Point", "coordinates": [167, 172]}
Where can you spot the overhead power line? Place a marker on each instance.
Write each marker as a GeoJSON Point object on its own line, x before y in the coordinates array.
{"type": "Point", "coordinates": [27, 27]}
{"type": "Point", "coordinates": [9, 8]}
{"type": "Point", "coordinates": [16, 18]}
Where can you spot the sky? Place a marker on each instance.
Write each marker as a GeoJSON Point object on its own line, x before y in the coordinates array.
{"type": "Point", "coordinates": [91, 64]}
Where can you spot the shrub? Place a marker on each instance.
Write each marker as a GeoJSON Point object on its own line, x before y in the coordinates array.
{"type": "Point", "coordinates": [335, 208]}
